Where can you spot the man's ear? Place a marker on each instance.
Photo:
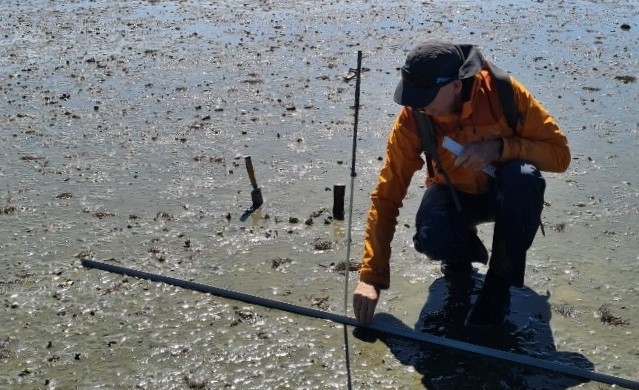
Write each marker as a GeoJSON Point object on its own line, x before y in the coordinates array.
{"type": "Point", "coordinates": [457, 85]}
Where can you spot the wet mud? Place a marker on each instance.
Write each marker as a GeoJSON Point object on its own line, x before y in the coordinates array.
{"type": "Point", "coordinates": [124, 131]}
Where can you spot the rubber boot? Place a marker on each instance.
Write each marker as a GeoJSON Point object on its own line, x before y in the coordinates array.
{"type": "Point", "coordinates": [492, 306]}
{"type": "Point", "coordinates": [475, 251]}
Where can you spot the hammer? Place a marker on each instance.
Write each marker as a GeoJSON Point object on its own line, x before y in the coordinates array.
{"type": "Point", "coordinates": [256, 194]}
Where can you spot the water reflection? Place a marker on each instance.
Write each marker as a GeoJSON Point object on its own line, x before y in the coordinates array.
{"type": "Point", "coordinates": [527, 332]}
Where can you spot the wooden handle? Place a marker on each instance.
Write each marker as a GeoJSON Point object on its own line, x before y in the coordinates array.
{"type": "Point", "coordinates": [251, 172]}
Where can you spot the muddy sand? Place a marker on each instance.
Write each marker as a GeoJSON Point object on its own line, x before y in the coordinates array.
{"type": "Point", "coordinates": [124, 131]}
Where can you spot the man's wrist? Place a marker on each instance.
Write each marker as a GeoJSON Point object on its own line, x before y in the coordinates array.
{"type": "Point", "coordinates": [377, 288]}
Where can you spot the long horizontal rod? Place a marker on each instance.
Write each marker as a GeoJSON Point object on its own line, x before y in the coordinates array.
{"type": "Point", "coordinates": [387, 329]}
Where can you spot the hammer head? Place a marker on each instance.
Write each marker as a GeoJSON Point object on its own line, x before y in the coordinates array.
{"type": "Point", "coordinates": [256, 197]}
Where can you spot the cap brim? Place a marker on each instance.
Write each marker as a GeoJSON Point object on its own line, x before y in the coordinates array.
{"type": "Point", "coordinates": [408, 94]}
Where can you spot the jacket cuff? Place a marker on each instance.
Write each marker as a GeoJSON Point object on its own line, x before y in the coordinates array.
{"type": "Point", "coordinates": [506, 150]}
{"type": "Point", "coordinates": [379, 278]}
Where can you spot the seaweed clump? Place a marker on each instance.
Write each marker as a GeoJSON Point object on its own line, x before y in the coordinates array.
{"type": "Point", "coordinates": [606, 316]}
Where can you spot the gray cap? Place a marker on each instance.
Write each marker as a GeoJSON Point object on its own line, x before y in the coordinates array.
{"type": "Point", "coordinates": [431, 65]}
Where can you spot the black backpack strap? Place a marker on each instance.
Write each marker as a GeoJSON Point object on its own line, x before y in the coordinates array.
{"type": "Point", "coordinates": [429, 145]}
{"type": "Point", "coordinates": [507, 99]}
{"type": "Point", "coordinates": [506, 95]}
{"type": "Point", "coordinates": [427, 137]}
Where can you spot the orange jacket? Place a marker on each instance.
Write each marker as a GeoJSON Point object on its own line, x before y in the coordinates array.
{"type": "Point", "coordinates": [537, 138]}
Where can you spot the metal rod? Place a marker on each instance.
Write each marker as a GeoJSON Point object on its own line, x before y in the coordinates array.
{"type": "Point", "coordinates": [347, 263]}
{"type": "Point", "coordinates": [353, 174]}
{"type": "Point", "coordinates": [381, 328]}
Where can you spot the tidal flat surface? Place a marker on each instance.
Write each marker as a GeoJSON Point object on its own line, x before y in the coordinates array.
{"type": "Point", "coordinates": [124, 127]}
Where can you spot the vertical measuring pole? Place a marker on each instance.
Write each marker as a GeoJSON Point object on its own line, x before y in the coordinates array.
{"type": "Point", "coordinates": [347, 262]}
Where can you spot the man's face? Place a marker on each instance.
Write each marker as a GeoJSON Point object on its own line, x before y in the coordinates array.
{"type": "Point", "coordinates": [445, 101]}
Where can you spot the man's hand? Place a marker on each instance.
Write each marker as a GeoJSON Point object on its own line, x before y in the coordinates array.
{"type": "Point", "coordinates": [478, 155]}
{"type": "Point", "coordinates": [365, 299]}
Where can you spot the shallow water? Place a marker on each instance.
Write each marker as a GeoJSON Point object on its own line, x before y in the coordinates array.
{"type": "Point", "coordinates": [123, 134]}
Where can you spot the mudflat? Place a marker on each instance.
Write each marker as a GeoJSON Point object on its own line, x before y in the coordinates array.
{"type": "Point", "coordinates": [125, 126]}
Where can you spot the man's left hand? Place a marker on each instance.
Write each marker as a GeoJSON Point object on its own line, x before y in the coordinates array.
{"type": "Point", "coordinates": [478, 155]}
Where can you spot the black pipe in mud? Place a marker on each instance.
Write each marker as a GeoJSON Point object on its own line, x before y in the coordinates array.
{"type": "Point", "coordinates": [375, 326]}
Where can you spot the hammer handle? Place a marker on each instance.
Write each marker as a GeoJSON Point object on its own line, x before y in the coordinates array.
{"type": "Point", "coordinates": [251, 172]}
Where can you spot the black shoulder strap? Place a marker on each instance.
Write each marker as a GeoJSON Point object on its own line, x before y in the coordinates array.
{"type": "Point", "coordinates": [429, 145]}
{"type": "Point", "coordinates": [427, 137]}
{"type": "Point", "coordinates": [506, 95]}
